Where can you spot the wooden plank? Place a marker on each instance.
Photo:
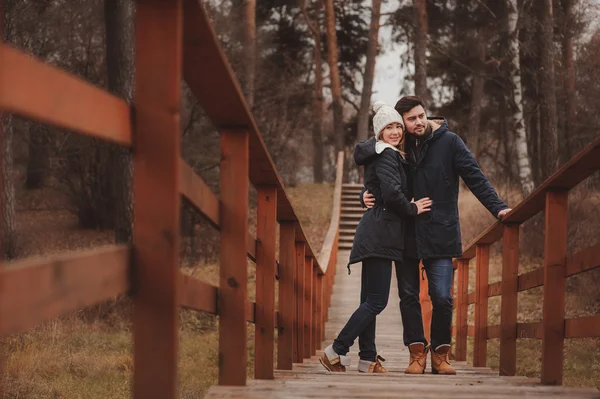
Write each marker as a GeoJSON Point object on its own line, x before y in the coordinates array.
{"type": "Point", "coordinates": [307, 319]}
{"type": "Point", "coordinates": [587, 259]}
{"type": "Point", "coordinates": [201, 197]}
{"type": "Point", "coordinates": [471, 298]}
{"type": "Point", "coordinates": [327, 249]}
{"type": "Point", "coordinates": [425, 301]}
{"type": "Point", "coordinates": [555, 252]}
{"type": "Point", "coordinates": [197, 192]}
{"type": "Point", "coordinates": [36, 90]}
{"type": "Point", "coordinates": [157, 200]}
{"type": "Point", "coordinates": [529, 330]}
{"type": "Point", "coordinates": [314, 307]}
{"type": "Point", "coordinates": [36, 290]}
{"type": "Point", "coordinates": [481, 305]}
{"type": "Point", "coordinates": [508, 308]}
{"type": "Point", "coordinates": [197, 295]}
{"type": "Point", "coordinates": [462, 307]}
{"type": "Point", "coordinates": [583, 327]}
{"type": "Point", "coordinates": [320, 325]}
{"type": "Point", "coordinates": [233, 264]}
{"type": "Point", "coordinates": [532, 279]}
{"type": "Point", "coordinates": [299, 291]}
{"type": "Point", "coordinates": [495, 332]}
{"type": "Point", "coordinates": [250, 311]}
{"type": "Point", "coordinates": [287, 297]}
{"type": "Point", "coordinates": [495, 289]}
{"type": "Point", "coordinates": [266, 231]}
{"type": "Point", "coordinates": [576, 170]}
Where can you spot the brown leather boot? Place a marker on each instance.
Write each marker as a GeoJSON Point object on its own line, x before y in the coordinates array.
{"type": "Point", "coordinates": [334, 362]}
{"type": "Point", "coordinates": [365, 366]}
{"type": "Point", "coordinates": [440, 360]}
{"type": "Point", "coordinates": [418, 358]}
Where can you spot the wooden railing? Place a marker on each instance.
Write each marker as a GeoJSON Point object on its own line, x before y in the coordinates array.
{"type": "Point", "coordinates": [175, 40]}
{"type": "Point", "coordinates": [552, 197]}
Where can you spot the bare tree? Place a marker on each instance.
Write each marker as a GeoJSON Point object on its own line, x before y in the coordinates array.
{"type": "Point", "coordinates": [8, 238]}
{"type": "Point", "coordinates": [420, 49]}
{"type": "Point", "coordinates": [249, 40]}
{"type": "Point", "coordinates": [477, 93]}
{"type": "Point", "coordinates": [334, 76]}
{"type": "Point", "coordinates": [569, 78]}
{"type": "Point", "coordinates": [518, 122]}
{"type": "Point", "coordinates": [317, 130]}
{"type": "Point", "coordinates": [548, 117]}
{"type": "Point", "coordinates": [120, 63]}
{"type": "Point", "coordinates": [368, 74]}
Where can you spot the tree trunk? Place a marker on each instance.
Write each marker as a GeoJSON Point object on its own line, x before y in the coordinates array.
{"type": "Point", "coordinates": [37, 159]}
{"type": "Point", "coordinates": [548, 118]}
{"type": "Point", "coordinates": [420, 43]}
{"type": "Point", "coordinates": [334, 77]}
{"type": "Point", "coordinates": [8, 241]}
{"type": "Point", "coordinates": [518, 122]}
{"type": "Point", "coordinates": [317, 131]}
{"type": "Point", "coordinates": [368, 75]}
{"type": "Point", "coordinates": [569, 80]}
{"type": "Point", "coordinates": [477, 93]}
{"type": "Point", "coordinates": [120, 64]}
{"type": "Point", "coordinates": [8, 233]}
{"type": "Point", "coordinates": [249, 40]}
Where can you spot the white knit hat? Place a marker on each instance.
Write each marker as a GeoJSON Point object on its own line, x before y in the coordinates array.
{"type": "Point", "coordinates": [384, 115]}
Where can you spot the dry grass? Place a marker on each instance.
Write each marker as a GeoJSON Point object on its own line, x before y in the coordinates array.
{"type": "Point", "coordinates": [581, 356]}
{"type": "Point", "coordinates": [88, 354]}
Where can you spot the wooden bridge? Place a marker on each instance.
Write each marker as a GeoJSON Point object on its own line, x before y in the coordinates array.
{"type": "Point", "coordinates": [175, 41]}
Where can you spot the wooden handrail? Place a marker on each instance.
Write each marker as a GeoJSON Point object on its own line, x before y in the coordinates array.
{"type": "Point", "coordinates": [69, 282]}
{"type": "Point", "coordinates": [552, 195]}
{"type": "Point", "coordinates": [331, 238]}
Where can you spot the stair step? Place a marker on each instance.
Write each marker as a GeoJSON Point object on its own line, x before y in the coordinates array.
{"type": "Point", "coordinates": [352, 185]}
{"type": "Point", "coordinates": [351, 216]}
{"type": "Point", "coordinates": [347, 231]}
{"type": "Point", "coordinates": [352, 209]}
{"type": "Point", "coordinates": [349, 224]}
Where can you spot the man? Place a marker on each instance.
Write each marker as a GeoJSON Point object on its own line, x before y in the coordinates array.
{"type": "Point", "coordinates": [436, 158]}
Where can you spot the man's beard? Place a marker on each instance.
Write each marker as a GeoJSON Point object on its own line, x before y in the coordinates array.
{"type": "Point", "coordinates": [423, 132]}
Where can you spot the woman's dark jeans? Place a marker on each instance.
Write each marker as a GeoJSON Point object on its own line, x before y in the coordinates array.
{"type": "Point", "coordinates": [374, 293]}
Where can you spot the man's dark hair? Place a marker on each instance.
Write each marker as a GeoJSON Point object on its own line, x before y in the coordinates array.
{"type": "Point", "coordinates": [407, 103]}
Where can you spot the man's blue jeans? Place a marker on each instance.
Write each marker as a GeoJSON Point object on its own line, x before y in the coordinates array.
{"type": "Point", "coordinates": [439, 274]}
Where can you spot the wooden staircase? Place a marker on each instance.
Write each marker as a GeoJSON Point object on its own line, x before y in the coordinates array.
{"type": "Point", "coordinates": [351, 213]}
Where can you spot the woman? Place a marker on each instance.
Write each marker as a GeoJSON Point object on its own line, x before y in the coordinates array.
{"type": "Point", "coordinates": [379, 239]}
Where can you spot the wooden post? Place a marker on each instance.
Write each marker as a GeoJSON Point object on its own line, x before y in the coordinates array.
{"type": "Point", "coordinates": [320, 326]}
{"type": "Point", "coordinates": [266, 236]}
{"type": "Point", "coordinates": [158, 59]}
{"type": "Point", "coordinates": [287, 298]}
{"type": "Point", "coordinates": [510, 290]}
{"type": "Point", "coordinates": [315, 320]}
{"type": "Point", "coordinates": [462, 308]}
{"type": "Point", "coordinates": [308, 283]}
{"type": "Point", "coordinates": [299, 320]}
{"type": "Point", "coordinates": [555, 252]}
{"type": "Point", "coordinates": [426, 305]}
{"type": "Point", "coordinates": [233, 292]}
{"type": "Point", "coordinates": [481, 304]}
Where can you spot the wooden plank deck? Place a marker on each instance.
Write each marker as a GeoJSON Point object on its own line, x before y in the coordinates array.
{"type": "Point", "coordinates": [311, 380]}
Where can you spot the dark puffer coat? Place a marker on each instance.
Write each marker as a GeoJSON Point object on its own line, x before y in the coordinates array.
{"type": "Point", "coordinates": [434, 172]}
{"type": "Point", "coordinates": [380, 233]}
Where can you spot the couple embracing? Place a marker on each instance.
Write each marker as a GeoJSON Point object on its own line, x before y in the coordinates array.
{"type": "Point", "coordinates": [412, 169]}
